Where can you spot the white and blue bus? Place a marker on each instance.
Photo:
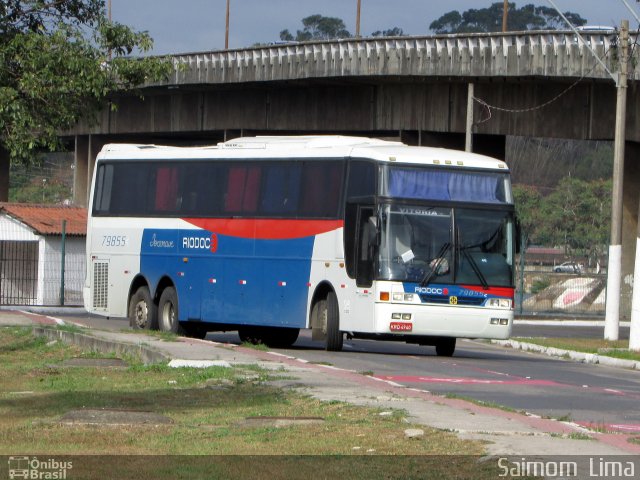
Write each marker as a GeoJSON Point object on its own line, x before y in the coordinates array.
{"type": "Point", "coordinates": [345, 236]}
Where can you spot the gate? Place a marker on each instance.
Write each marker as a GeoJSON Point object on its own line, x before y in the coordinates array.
{"type": "Point", "coordinates": [18, 273]}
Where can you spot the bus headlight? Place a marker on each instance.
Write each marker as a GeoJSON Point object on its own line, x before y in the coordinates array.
{"type": "Point", "coordinates": [499, 321]}
{"type": "Point", "coordinates": [403, 297]}
{"type": "Point", "coordinates": [499, 303]}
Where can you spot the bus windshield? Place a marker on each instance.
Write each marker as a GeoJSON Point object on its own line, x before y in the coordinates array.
{"type": "Point", "coordinates": [446, 245]}
{"type": "Point", "coordinates": [447, 185]}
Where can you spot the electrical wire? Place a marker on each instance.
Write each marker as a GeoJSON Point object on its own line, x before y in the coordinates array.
{"type": "Point", "coordinates": [489, 107]}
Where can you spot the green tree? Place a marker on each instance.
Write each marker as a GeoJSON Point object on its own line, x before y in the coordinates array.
{"type": "Point", "coordinates": [527, 200]}
{"type": "Point", "coordinates": [318, 27]}
{"type": "Point", "coordinates": [528, 17]}
{"type": "Point", "coordinates": [576, 216]}
{"type": "Point", "coordinates": [60, 62]}
{"type": "Point", "coordinates": [391, 32]}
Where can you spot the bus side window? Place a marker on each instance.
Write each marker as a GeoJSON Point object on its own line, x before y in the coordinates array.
{"type": "Point", "coordinates": [166, 194]}
{"type": "Point", "coordinates": [104, 183]}
{"type": "Point", "coordinates": [362, 179]}
{"type": "Point", "coordinates": [242, 189]}
{"type": "Point", "coordinates": [321, 189]}
{"type": "Point", "coordinates": [281, 189]}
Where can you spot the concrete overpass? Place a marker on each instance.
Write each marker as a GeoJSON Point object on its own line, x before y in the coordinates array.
{"type": "Point", "coordinates": [544, 84]}
{"type": "Point", "coordinates": [414, 88]}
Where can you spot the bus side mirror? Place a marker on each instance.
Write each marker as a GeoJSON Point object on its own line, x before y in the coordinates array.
{"type": "Point", "coordinates": [367, 239]}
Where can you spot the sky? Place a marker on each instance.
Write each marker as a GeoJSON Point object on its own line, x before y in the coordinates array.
{"type": "Point", "coordinates": [183, 26]}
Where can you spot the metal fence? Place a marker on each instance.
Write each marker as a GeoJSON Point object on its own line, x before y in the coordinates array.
{"type": "Point", "coordinates": [31, 272]}
{"type": "Point", "coordinates": [18, 272]}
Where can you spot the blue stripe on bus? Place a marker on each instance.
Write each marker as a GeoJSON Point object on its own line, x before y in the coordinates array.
{"type": "Point", "coordinates": [225, 279]}
{"type": "Point", "coordinates": [465, 294]}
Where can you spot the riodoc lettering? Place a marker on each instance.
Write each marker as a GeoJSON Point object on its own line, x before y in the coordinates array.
{"type": "Point", "coordinates": [196, 242]}
{"type": "Point", "coordinates": [432, 290]}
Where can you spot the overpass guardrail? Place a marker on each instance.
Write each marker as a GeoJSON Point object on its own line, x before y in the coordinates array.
{"type": "Point", "coordinates": [513, 54]}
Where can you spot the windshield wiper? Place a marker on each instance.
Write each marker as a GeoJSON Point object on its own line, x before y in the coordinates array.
{"type": "Point", "coordinates": [435, 266]}
{"type": "Point", "coordinates": [474, 267]}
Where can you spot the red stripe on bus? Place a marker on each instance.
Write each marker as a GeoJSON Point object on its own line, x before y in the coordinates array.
{"type": "Point", "coordinates": [265, 229]}
{"type": "Point", "coordinates": [497, 291]}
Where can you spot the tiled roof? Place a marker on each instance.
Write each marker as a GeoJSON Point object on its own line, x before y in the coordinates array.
{"type": "Point", "coordinates": [47, 219]}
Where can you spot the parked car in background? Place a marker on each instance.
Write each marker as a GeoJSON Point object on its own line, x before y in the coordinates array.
{"type": "Point", "coordinates": [568, 267]}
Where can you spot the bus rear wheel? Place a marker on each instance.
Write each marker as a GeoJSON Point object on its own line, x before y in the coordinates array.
{"type": "Point", "coordinates": [168, 311]}
{"type": "Point", "coordinates": [142, 310]}
{"type": "Point", "coordinates": [445, 347]}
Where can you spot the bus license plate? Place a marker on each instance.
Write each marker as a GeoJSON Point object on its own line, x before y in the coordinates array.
{"type": "Point", "coordinates": [401, 327]}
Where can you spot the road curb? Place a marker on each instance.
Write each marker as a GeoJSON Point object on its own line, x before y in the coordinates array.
{"type": "Point", "coordinates": [591, 358]}
{"type": "Point", "coordinates": [145, 353]}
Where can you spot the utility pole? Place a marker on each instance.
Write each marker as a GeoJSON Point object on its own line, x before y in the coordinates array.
{"type": "Point", "coordinates": [226, 30]}
{"type": "Point", "coordinates": [358, 19]}
{"type": "Point", "coordinates": [612, 316]}
{"type": "Point", "coordinates": [468, 140]}
{"type": "Point", "coordinates": [505, 15]}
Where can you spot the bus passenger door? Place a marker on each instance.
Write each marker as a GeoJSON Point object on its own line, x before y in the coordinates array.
{"type": "Point", "coordinates": [193, 253]}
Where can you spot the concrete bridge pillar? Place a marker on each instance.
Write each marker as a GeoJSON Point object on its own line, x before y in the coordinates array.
{"type": "Point", "coordinates": [631, 197]}
{"type": "Point", "coordinates": [4, 174]}
{"type": "Point", "coordinates": [80, 168]}
{"type": "Point", "coordinates": [87, 148]}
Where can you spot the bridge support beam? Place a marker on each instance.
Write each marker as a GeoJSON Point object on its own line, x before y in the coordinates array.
{"type": "Point", "coordinates": [86, 150]}
{"type": "Point", "coordinates": [80, 168]}
{"type": "Point", "coordinates": [4, 174]}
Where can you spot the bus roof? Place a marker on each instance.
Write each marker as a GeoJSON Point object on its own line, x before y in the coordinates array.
{"type": "Point", "coordinates": [316, 146]}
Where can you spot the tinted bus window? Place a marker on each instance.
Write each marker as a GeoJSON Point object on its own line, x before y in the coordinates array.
{"type": "Point", "coordinates": [362, 179]}
{"type": "Point", "coordinates": [280, 189]}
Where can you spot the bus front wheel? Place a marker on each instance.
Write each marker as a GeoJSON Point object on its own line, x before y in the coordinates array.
{"type": "Point", "coordinates": [142, 310]}
{"type": "Point", "coordinates": [445, 347]}
{"type": "Point", "coordinates": [168, 311]}
{"type": "Point", "coordinates": [331, 315]}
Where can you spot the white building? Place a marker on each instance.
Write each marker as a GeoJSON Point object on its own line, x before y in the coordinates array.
{"type": "Point", "coordinates": [31, 254]}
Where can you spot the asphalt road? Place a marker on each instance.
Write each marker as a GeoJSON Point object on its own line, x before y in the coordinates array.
{"type": "Point", "coordinates": [587, 394]}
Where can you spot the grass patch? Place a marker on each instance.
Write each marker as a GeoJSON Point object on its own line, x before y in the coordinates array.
{"type": "Point", "coordinates": [608, 348]}
{"type": "Point", "coordinates": [71, 328]}
{"type": "Point", "coordinates": [207, 407]}
{"type": "Point", "coordinates": [256, 346]}
{"type": "Point", "coordinates": [635, 440]}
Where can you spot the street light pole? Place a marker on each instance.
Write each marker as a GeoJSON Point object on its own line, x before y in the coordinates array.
{"type": "Point", "coordinates": [614, 269]}
{"type": "Point", "coordinates": [358, 19]}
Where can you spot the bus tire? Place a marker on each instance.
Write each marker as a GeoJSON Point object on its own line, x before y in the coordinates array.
{"type": "Point", "coordinates": [445, 347]}
{"type": "Point", "coordinates": [168, 311]}
{"type": "Point", "coordinates": [335, 337]}
{"type": "Point", "coordinates": [142, 311]}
